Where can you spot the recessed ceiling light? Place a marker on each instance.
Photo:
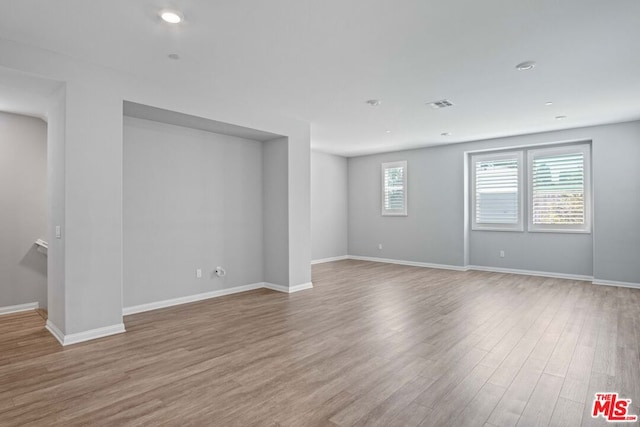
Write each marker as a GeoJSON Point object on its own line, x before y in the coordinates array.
{"type": "Point", "coordinates": [171, 16]}
{"type": "Point", "coordinates": [374, 102]}
{"type": "Point", "coordinates": [387, 131]}
{"type": "Point", "coordinates": [525, 66]}
{"type": "Point", "coordinates": [173, 56]}
{"type": "Point", "coordinates": [445, 134]}
{"type": "Point", "coordinates": [548, 103]}
{"type": "Point", "coordinates": [561, 117]}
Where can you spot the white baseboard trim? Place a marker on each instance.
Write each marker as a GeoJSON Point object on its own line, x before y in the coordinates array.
{"type": "Point", "coordinates": [323, 260]}
{"type": "Point", "coordinates": [189, 298]}
{"type": "Point", "coordinates": [84, 336]}
{"type": "Point", "coordinates": [290, 289]}
{"type": "Point", "coordinates": [616, 283]}
{"type": "Point", "coordinates": [531, 273]}
{"type": "Point", "coordinates": [18, 308]}
{"type": "Point", "coordinates": [410, 263]}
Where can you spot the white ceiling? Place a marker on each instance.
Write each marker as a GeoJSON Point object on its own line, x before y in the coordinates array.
{"type": "Point", "coordinates": [320, 60]}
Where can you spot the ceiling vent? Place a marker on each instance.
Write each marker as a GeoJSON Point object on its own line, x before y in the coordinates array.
{"type": "Point", "coordinates": [443, 103]}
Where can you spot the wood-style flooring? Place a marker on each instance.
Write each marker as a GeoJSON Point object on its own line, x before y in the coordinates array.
{"type": "Point", "coordinates": [371, 345]}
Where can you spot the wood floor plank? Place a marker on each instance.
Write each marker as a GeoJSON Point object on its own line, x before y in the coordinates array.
{"type": "Point", "coordinates": [370, 345]}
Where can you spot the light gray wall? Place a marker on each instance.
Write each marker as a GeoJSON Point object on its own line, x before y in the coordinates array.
{"type": "Point", "coordinates": [23, 212]}
{"type": "Point", "coordinates": [434, 231]}
{"type": "Point", "coordinates": [276, 214]}
{"type": "Point", "coordinates": [546, 252]}
{"type": "Point", "coordinates": [93, 207]}
{"type": "Point", "coordinates": [329, 200]}
{"type": "Point", "coordinates": [299, 199]}
{"type": "Point", "coordinates": [56, 208]}
{"type": "Point", "coordinates": [616, 178]}
{"type": "Point", "coordinates": [192, 199]}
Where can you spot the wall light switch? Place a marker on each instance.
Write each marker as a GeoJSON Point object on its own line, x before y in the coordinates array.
{"type": "Point", "coordinates": [501, 254]}
{"type": "Point", "coordinates": [380, 246]}
{"type": "Point", "coordinates": [58, 232]}
{"type": "Point", "coordinates": [198, 273]}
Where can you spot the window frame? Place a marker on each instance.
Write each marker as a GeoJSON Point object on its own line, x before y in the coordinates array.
{"type": "Point", "coordinates": [389, 165]}
{"type": "Point", "coordinates": [501, 155]}
{"type": "Point", "coordinates": [585, 149]}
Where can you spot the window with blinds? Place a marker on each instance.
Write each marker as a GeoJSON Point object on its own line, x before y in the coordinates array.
{"type": "Point", "coordinates": [497, 191]}
{"type": "Point", "coordinates": [558, 189]}
{"type": "Point", "coordinates": [394, 188]}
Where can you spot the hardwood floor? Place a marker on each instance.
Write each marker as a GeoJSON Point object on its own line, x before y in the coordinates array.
{"type": "Point", "coordinates": [371, 345]}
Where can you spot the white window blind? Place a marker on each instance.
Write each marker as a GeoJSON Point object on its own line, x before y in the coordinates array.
{"type": "Point", "coordinates": [497, 191]}
{"type": "Point", "coordinates": [559, 189]}
{"type": "Point", "coordinates": [394, 188]}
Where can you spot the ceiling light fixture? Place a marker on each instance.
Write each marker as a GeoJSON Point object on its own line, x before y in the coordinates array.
{"type": "Point", "coordinates": [374, 102]}
{"type": "Point", "coordinates": [387, 131]}
{"type": "Point", "coordinates": [548, 103]}
{"type": "Point", "coordinates": [443, 103]}
{"type": "Point", "coordinates": [173, 56]}
{"type": "Point", "coordinates": [171, 16]}
{"type": "Point", "coordinates": [561, 117]}
{"type": "Point", "coordinates": [445, 134]}
{"type": "Point", "coordinates": [526, 66]}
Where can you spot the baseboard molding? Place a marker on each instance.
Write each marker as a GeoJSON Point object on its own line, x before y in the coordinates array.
{"type": "Point", "coordinates": [484, 268]}
{"type": "Point", "coordinates": [190, 298]}
{"type": "Point", "coordinates": [290, 289]}
{"type": "Point", "coordinates": [531, 273]}
{"type": "Point", "coordinates": [410, 263]}
{"type": "Point", "coordinates": [57, 333]}
{"type": "Point", "coordinates": [616, 283]}
{"type": "Point", "coordinates": [18, 308]}
{"type": "Point", "coordinates": [84, 336]}
{"type": "Point", "coordinates": [332, 259]}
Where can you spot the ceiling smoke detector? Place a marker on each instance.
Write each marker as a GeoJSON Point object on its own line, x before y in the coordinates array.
{"type": "Point", "coordinates": [374, 102]}
{"type": "Point", "coordinates": [526, 66]}
{"type": "Point", "coordinates": [443, 103]}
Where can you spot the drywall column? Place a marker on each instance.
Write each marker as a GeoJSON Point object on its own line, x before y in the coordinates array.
{"type": "Point", "coordinates": [93, 208]}
{"type": "Point", "coordinates": [275, 203]}
{"type": "Point", "coordinates": [55, 208]}
{"type": "Point", "coordinates": [329, 201]}
{"type": "Point", "coordinates": [287, 223]}
{"type": "Point", "coordinates": [299, 209]}
{"type": "Point", "coordinates": [616, 192]}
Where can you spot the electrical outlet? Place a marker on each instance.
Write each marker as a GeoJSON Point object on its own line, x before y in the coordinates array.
{"type": "Point", "coordinates": [380, 246]}
{"type": "Point", "coordinates": [501, 254]}
{"type": "Point", "coordinates": [198, 273]}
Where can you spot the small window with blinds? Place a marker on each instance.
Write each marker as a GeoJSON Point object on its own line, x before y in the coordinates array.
{"type": "Point", "coordinates": [394, 189]}
{"type": "Point", "coordinates": [559, 182]}
{"type": "Point", "coordinates": [497, 191]}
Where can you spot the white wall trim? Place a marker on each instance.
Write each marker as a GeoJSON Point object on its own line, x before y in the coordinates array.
{"type": "Point", "coordinates": [410, 263]}
{"type": "Point", "coordinates": [323, 260]}
{"type": "Point", "coordinates": [489, 269]}
{"type": "Point", "coordinates": [288, 290]}
{"type": "Point", "coordinates": [302, 287]}
{"type": "Point", "coordinates": [84, 336]}
{"type": "Point", "coordinates": [57, 333]}
{"type": "Point", "coordinates": [18, 308]}
{"type": "Point", "coordinates": [531, 273]}
{"type": "Point", "coordinates": [274, 287]}
{"type": "Point", "coordinates": [616, 283]}
{"type": "Point", "coordinates": [189, 298]}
